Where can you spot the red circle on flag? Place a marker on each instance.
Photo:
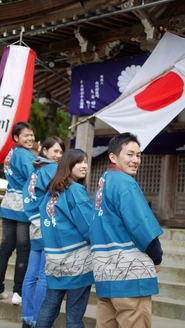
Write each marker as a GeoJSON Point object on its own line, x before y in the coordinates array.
{"type": "Point", "coordinates": [160, 93]}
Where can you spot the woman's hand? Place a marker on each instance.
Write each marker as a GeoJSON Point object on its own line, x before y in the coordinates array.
{"type": "Point", "coordinates": [38, 146]}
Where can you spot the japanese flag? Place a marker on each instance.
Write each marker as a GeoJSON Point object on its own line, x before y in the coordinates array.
{"type": "Point", "coordinates": [16, 86]}
{"type": "Point", "coordinates": [155, 95]}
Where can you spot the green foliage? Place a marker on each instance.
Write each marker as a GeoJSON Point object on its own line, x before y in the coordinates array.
{"type": "Point", "coordinates": [44, 128]}
{"type": "Point", "coordinates": [37, 120]}
{"type": "Point", "coordinates": [63, 123]}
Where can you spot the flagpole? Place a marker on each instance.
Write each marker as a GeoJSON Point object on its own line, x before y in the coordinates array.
{"type": "Point", "coordinates": [123, 96]}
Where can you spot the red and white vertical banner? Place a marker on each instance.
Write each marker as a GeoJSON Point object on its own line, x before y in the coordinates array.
{"type": "Point", "coordinates": [16, 87]}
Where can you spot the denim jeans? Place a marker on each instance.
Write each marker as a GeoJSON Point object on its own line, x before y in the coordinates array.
{"type": "Point", "coordinates": [15, 235]}
{"type": "Point", "coordinates": [76, 304]}
{"type": "Point", "coordinates": [34, 287]}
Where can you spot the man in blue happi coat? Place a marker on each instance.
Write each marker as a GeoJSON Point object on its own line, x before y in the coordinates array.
{"type": "Point", "coordinates": [124, 238]}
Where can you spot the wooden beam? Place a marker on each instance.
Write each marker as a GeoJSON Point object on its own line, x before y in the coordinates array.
{"type": "Point", "coordinates": [105, 132]}
{"type": "Point", "coordinates": [25, 9]}
{"type": "Point", "coordinates": [56, 47]}
{"type": "Point", "coordinates": [123, 34]}
{"type": "Point", "coordinates": [42, 11]}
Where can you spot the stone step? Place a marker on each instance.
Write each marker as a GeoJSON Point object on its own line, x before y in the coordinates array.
{"type": "Point", "coordinates": [161, 305]}
{"type": "Point", "coordinates": [177, 246]}
{"type": "Point", "coordinates": [172, 289]}
{"type": "Point", "coordinates": [12, 313]}
{"type": "Point", "coordinates": [157, 322]}
{"type": "Point", "coordinates": [10, 270]}
{"type": "Point", "coordinates": [8, 311]}
{"type": "Point", "coordinates": [174, 259]}
{"type": "Point", "coordinates": [168, 273]}
{"type": "Point", "coordinates": [173, 234]}
{"type": "Point", "coordinates": [168, 308]}
{"type": "Point", "coordinates": [9, 324]}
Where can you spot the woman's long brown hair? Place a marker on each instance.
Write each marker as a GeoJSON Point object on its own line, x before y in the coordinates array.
{"type": "Point", "coordinates": [63, 177]}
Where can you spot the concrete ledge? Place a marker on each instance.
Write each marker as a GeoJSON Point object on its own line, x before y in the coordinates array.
{"type": "Point", "coordinates": [174, 245]}
{"type": "Point", "coordinates": [9, 324]}
{"type": "Point", "coordinates": [8, 311]}
{"type": "Point", "coordinates": [169, 273]}
{"type": "Point", "coordinates": [168, 308]}
{"type": "Point", "coordinates": [164, 308]}
{"type": "Point", "coordinates": [12, 313]}
{"type": "Point", "coordinates": [174, 259]}
{"type": "Point", "coordinates": [172, 289]}
{"type": "Point", "coordinates": [173, 234]}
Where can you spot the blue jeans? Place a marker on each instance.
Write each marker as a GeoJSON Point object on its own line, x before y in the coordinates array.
{"type": "Point", "coordinates": [15, 235]}
{"type": "Point", "coordinates": [76, 304]}
{"type": "Point", "coordinates": [34, 287]}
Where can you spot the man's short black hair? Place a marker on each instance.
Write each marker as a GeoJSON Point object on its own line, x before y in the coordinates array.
{"type": "Point", "coordinates": [115, 144]}
{"type": "Point", "coordinates": [18, 127]}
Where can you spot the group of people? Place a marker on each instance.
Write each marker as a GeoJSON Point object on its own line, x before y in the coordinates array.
{"type": "Point", "coordinates": [64, 243]}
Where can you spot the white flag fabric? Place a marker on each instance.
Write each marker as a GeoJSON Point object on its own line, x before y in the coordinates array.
{"type": "Point", "coordinates": [16, 87]}
{"type": "Point", "coordinates": [155, 96]}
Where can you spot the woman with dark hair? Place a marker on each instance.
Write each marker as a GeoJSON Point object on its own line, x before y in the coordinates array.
{"type": "Point", "coordinates": [17, 168]}
{"type": "Point", "coordinates": [65, 215]}
{"type": "Point", "coordinates": [34, 285]}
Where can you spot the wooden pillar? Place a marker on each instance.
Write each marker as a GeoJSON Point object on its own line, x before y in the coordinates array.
{"type": "Point", "coordinates": [168, 183]}
{"type": "Point", "coordinates": [84, 141]}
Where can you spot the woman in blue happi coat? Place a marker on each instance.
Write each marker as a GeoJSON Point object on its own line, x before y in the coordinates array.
{"type": "Point", "coordinates": [34, 285]}
{"type": "Point", "coordinates": [65, 217]}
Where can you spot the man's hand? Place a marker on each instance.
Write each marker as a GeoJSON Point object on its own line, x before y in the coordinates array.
{"type": "Point", "coordinates": [158, 268]}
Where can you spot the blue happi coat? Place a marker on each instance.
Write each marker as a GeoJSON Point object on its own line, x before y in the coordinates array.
{"type": "Point", "coordinates": [122, 227]}
{"type": "Point", "coordinates": [33, 193]}
{"type": "Point", "coordinates": [17, 168]}
{"type": "Point", "coordinates": [65, 230]}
